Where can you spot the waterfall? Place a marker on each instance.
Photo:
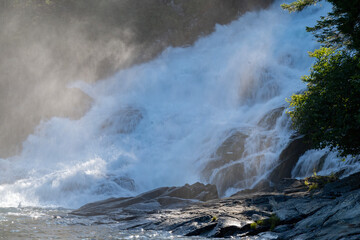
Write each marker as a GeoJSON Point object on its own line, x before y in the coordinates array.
{"type": "Point", "coordinates": [212, 112]}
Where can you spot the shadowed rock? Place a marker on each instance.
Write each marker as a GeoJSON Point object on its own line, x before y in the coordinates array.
{"type": "Point", "coordinates": [165, 197]}
{"type": "Point", "coordinates": [229, 177]}
{"type": "Point", "coordinates": [287, 211]}
{"type": "Point", "coordinates": [288, 159]}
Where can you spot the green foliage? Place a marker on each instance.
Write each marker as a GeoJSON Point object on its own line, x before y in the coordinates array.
{"type": "Point", "coordinates": [214, 219]}
{"type": "Point", "coordinates": [298, 5]}
{"type": "Point", "coordinates": [329, 110]}
{"type": "Point", "coordinates": [341, 28]}
{"type": "Point", "coordinates": [313, 187]}
{"type": "Point", "coordinates": [253, 225]}
{"type": "Point", "coordinates": [267, 224]}
{"type": "Point", "coordinates": [274, 221]}
{"type": "Point", "coordinates": [317, 182]}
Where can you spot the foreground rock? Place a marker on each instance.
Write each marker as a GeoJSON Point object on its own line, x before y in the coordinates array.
{"type": "Point", "coordinates": [287, 211]}
{"type": "Point", "coordinates": [152, 201]}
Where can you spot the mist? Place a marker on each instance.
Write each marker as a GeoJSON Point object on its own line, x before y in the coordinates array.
{"type": "Point", "coordinates": [45, 45]}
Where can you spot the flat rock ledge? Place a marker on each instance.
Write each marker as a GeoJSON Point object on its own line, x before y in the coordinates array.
{"type": "Point", "coordinates": [290, 210]}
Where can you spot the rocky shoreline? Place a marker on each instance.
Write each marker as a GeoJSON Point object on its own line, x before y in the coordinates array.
{"type": "Point", "coordinates": [313, 208]}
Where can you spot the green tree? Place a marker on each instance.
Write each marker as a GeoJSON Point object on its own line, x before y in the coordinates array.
{"type": "Point", "coordinates": [328, 112]}
{"type": "Point", "coordinates": [340, 28]}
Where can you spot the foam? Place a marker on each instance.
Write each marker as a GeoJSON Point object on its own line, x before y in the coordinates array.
{"type": "Point", "coordinates": [157, 124]}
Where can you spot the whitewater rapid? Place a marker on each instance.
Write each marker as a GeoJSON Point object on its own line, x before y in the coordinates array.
{"type": "Point", "coordinates": [158, 123]}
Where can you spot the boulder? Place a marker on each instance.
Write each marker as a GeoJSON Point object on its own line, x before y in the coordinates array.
{"type": "Point", "coordinates": [160, 198]}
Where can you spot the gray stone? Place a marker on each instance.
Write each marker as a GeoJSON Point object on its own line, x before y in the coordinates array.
{"type": "Point", "coordinates": [300, 214]}
{"type": "Point", "coordinates": [165, 197]}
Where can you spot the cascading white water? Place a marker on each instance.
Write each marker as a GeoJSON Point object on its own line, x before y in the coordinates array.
{"type": "Point", "coordinates": [159, 123]}
{"type": "Point", "coordinates": [325, 162]}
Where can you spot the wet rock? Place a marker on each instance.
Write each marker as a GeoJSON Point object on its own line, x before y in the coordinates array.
{"type": "Point", "coordinates": [283, 228]}
{"type": "Point", "coordinates": [263, 186]}
{"type": "Point", "coordinates": [123, 121]}
{"type": "Point", "coordinates": [286, 211]}
{"type": "Point", "coordinates": [346, 185]}
{"type": "Point", "coordinates": [269, 120]}
{"type": "Point", "coordinates": [288, 159]}
{"type": "Point", "coordinates": [165, 197]}
{"type": "Point", "coordinates": [124, 182]}
{"type": "Point", "coordinates": [196, 191]}
{"type": "Point", "coordinates": [229, 177]}
{"type": "Point", "coordinates": [230, 150]}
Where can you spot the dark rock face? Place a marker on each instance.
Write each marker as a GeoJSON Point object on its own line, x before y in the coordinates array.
{"type": "Point", "coordinates": [288, 211]}
{"type": "Point", "coordinates": [288, 159]}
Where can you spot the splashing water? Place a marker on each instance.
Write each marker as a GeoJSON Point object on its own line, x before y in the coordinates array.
{"type": "Point", "coordinates": [160, 123]}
